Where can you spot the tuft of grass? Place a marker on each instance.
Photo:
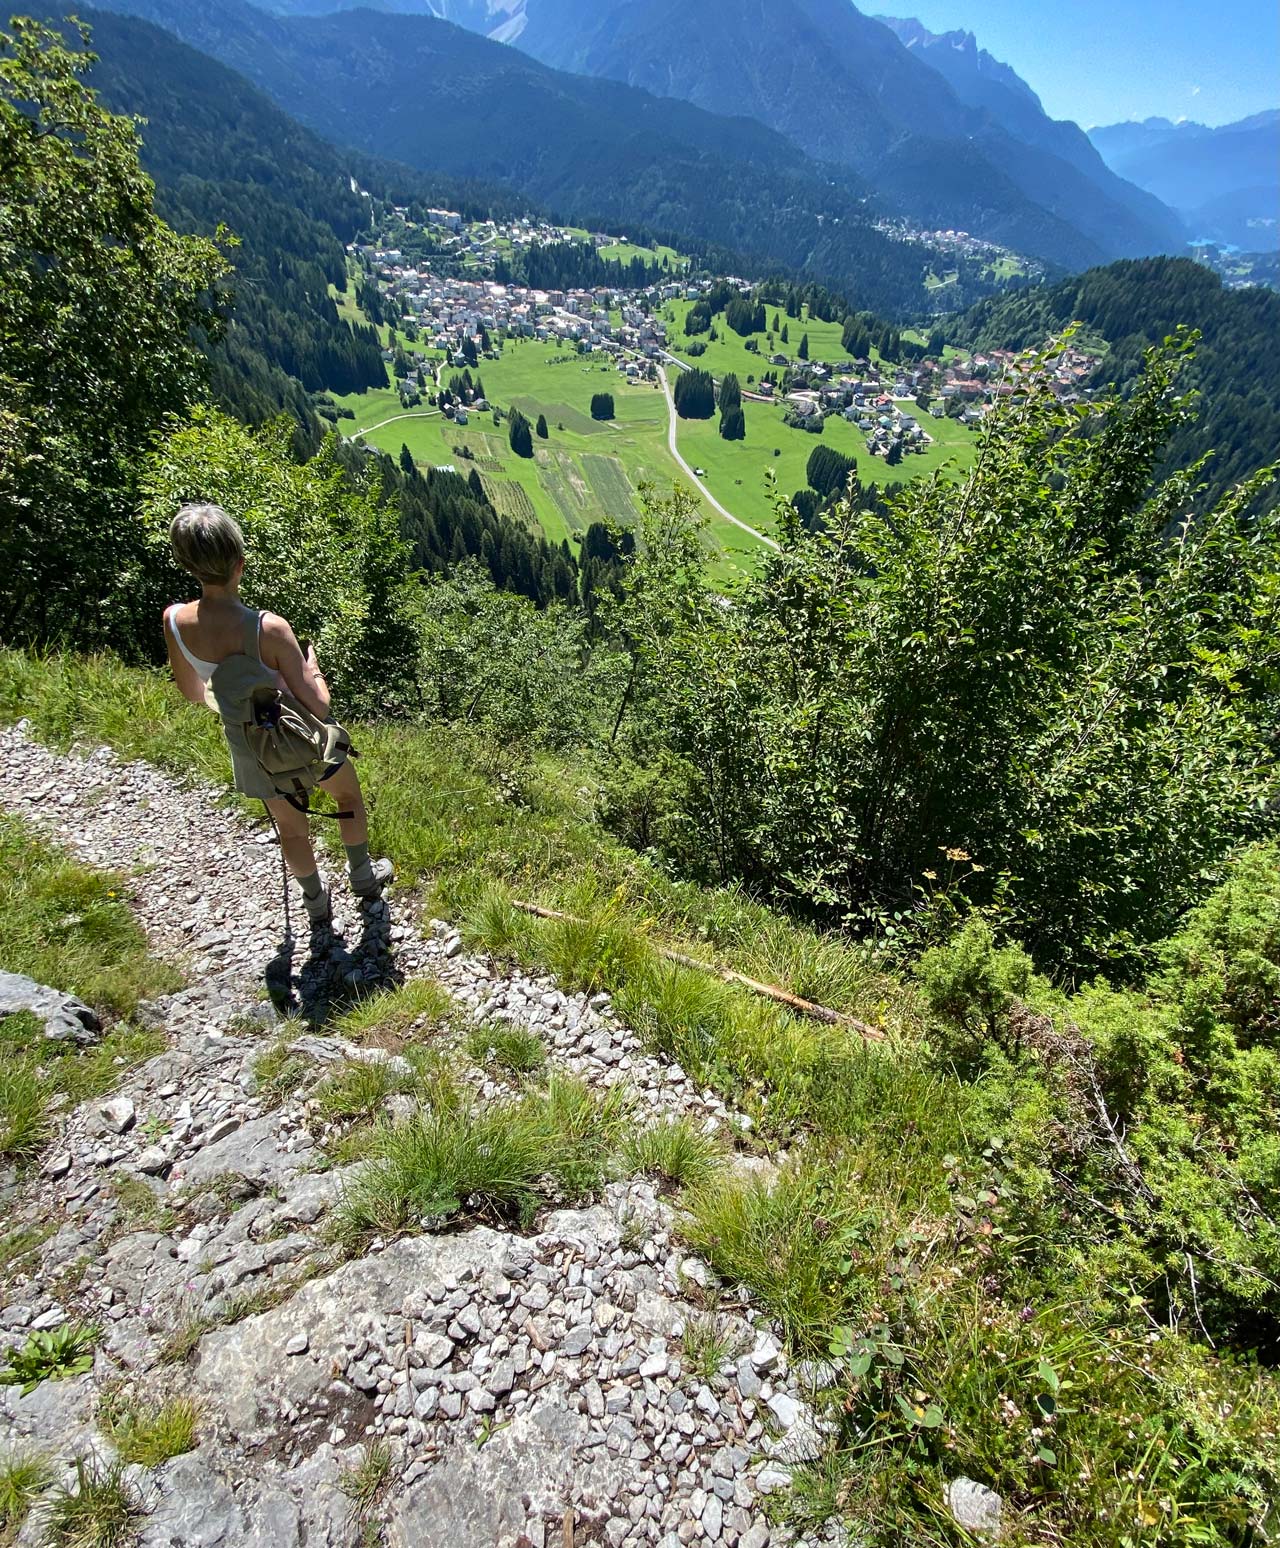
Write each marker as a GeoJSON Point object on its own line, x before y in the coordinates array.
{"type": "Point", "coordinates": [491, 922]}
{"type": "Point", "coordinates": [518, 1050]}
{"type": "Point", "coordinates": [25, 1124]}
{"type": "Point", "coordinates": [181, 1342]}
{"type": "Point", "coordinates": [394, 1017]}
{"type": "Point", "coordinates": [494, 1162]}
{"type": "Point", "coordinates": [363, 1483]}
{"type": "Point", "coordinates": [439, 1161]}
{"type": "Point", "coordinates": [100, 1510]}
{"type": "Point", "coordinates": [359, 1089]}
{"type": "Point", "coordinates": [707, 1347]}
{"type": "Point", "coordinates": [63, 923]}
{"type": "Point", "coordinates": [787, 1239]}
{"type": "Point", "coordinates": [24, 1476]}
{"type": "Point", "coordinates": [279, 1073]}
{"type": "Point", "coordinates": [677, 1152]}
{"type": "Point", "coordinates": [140, 1209]}
{"type": "Point", "coordinates": [149, 1435]}
{"type": "Point", "coordinates": [598, 950]}
{"type": "Point", "coordinates": [585, 1130]}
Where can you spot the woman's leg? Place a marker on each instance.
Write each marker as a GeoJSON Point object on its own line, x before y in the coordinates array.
{"type": "Point", "coordinates": [295, 838]}
{"type": "Point", "coordinates": [367, 876]}
{"type": "Point", "coordinates": [344, 786]}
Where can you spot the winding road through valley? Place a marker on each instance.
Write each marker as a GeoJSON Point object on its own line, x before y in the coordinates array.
{"type": "Point", "coordinates": [673, 447]}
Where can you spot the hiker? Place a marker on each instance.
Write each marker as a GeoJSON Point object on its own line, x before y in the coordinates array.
{"type": "Point", "coordinates": [274, 703]}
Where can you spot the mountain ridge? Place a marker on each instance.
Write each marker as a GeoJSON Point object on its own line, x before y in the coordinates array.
{"type": "Point", "coordinates": [881, 111]}
{"type": "Point", "coordinates": [609, 155]}
{"type": "Point", "coordinates": [1224, 181]}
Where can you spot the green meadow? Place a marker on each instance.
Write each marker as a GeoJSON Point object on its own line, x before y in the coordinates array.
{"type": "Point", "coordinates": [584, 471]}
{"type": "Point", "coordinates": [736, 472]}
{"type": "Point", "coordinates": [588, 471]}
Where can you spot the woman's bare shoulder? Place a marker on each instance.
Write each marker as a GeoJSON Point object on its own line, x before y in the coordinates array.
{"type": "Point", "coordinates": [277, 627]}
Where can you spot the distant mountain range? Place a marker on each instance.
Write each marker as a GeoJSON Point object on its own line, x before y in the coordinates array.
{"type": "Point", "coordinates": [1225, 182]}
{"type": "Point", "coordinates": [848, 91]}
{"type": "Point", "coordinates": [594, 153]}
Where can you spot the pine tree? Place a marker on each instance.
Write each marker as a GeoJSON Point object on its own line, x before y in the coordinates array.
{"type": "Point", "coordinates": [520, 434]}
{"type": "Point", "coordinates": [803, 351]}
{"type": "Point", "coordinates": [602, 406]}
{"type": "Point", "coordinates": [542, 427]}
{"type": "Point", "coordinates": [733, 425]}
{"type": "Point", "coordinates": [785, 335]}
{"type": "Point", "coordinates": [695, 395]}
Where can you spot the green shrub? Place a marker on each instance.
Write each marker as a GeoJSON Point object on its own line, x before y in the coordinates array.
{"type": "Point", "coordinates": [51, 1355]}
{"type": "Point", "coordinates": [972, 983]}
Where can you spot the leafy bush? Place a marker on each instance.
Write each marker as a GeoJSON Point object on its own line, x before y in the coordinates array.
{"type": "Point", "coordinates": [1050, 666]}
{"type": "Point", "coordinates": [323, 550]}
{"type": "Point", "coordinates": [971, 982]}
{"type": "Point", "coordinates": [100, 307]}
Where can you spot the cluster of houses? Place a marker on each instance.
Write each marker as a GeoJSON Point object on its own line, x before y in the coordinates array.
{"type": "Point", "coordinates": [891, 407]}
{"type": "Point", "coordinates": [448, 311]}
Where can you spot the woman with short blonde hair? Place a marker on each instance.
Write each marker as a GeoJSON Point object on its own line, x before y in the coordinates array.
{"type": "Point", "coordinates": [201, 635]}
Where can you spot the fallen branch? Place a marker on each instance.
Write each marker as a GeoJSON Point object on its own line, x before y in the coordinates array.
{"type": "Point", "coordinates": [794, 1002]}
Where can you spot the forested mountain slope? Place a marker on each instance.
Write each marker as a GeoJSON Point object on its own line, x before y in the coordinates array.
{"type": "Point", "coordinates": [599, 152]}
{"type": "Point", "coordinates": [1138, 303]}
{"type": "Point", "coordinates": [846, 90]}
{"type": "Point", "coordinates": [222, 153]}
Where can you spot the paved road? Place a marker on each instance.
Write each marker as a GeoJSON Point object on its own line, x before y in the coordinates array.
{"type": "Point", "coordinates": [693, 477]}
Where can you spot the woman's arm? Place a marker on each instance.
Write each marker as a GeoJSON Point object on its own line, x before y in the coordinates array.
{"type": "Point", "coordinates": [189, 682]}
{"type": "Point", "coordinates": [302, 677]}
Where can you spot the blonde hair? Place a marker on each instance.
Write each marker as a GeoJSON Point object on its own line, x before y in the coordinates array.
{"type": "Point", "coordinates": [207, 542]}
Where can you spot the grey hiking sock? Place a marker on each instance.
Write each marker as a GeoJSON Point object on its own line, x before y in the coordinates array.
{"type": "Point", "coordinates": [368, 877]}
{"type": "Point", "coordinates": [314, 898]}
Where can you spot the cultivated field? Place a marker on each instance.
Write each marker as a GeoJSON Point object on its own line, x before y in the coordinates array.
{"type": "Point", "coordinates": [588, 471]}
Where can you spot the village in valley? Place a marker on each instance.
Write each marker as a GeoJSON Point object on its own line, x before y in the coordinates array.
{"type": "Point", "coordinates": [467, 342]}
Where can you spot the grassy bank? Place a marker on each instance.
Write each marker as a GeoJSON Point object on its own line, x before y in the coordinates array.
{"type": "Point", "coordinates": [68, 926]}
{"type": "Point", "coordinates": [986, 1287]}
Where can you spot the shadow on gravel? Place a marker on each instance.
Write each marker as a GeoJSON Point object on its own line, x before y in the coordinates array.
{"type": "Point", "coordinates": [317, 975]}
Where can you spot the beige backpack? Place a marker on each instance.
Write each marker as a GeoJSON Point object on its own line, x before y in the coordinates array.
{"type": "Point", "coordinates": [293, 748]}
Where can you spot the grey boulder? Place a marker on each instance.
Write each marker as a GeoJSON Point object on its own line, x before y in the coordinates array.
{"type": "Point", "coordinates": [66, 1019]}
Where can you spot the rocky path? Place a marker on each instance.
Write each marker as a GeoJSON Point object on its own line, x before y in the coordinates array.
{"type": "Point", "coordinates": [488, 1387]}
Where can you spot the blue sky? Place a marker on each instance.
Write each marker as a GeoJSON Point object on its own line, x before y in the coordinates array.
{"type": "Point", "coordinates": [1098, 61]}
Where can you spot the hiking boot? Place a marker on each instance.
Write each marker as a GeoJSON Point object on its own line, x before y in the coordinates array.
{"type": "Point", "coordinates": [319, 909]}
{"type": "Point", "coordinates": [368, 882]}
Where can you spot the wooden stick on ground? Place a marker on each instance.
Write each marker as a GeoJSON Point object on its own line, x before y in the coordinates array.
{"type": "Point", "coordinates": [793, 1002]}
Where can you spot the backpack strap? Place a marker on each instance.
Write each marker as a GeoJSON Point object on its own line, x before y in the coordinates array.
{"type": "Point", "coordinates": [252, 626]}
{"type": "Point", "coordinates": [300, 800]}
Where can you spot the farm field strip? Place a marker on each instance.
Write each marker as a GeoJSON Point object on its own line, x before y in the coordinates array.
{"type": "Point", "coordinates": [591, 470]}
